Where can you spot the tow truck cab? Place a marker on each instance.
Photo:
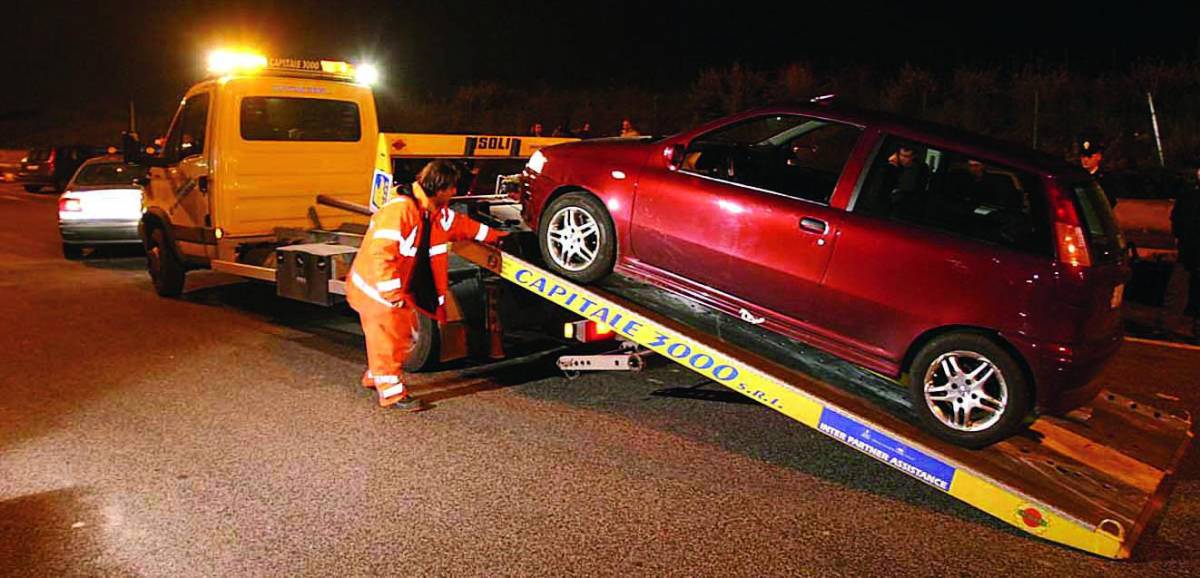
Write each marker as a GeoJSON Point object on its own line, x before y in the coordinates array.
{"type": "Point", "coordinates": [248, 152]}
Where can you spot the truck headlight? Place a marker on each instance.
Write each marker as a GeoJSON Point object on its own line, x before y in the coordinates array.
{"type": "Point", "coordinates": [537, 162]}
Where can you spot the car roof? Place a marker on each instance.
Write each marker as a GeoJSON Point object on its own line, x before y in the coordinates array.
{"type": "Point", "coordinates": [105, 159]}
{"type": "Point", "coordinates": [935, 134]}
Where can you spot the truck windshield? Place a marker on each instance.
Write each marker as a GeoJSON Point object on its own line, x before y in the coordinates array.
{"type": "Point", "coordinates": [1104, 236]}
{"type": "Point", "coordinates": [107, 174]}
{"type": "Point", "coordinates": [299, 119]}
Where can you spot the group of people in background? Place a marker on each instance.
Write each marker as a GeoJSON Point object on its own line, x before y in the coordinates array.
{"type": "Point", "coordinates": [583, 132]}
{"type": "Point", "coordinates": [1185, 219]}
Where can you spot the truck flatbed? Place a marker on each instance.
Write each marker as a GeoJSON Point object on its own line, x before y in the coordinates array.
{"type": "Point", "coordinates": [1093, 479]}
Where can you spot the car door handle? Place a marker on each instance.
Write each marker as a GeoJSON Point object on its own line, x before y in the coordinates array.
{"type": "Point", "coordinates": [814, 225]}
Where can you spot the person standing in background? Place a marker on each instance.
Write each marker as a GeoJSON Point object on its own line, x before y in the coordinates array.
{"type": "Point", "coordinates": [1185, 224]}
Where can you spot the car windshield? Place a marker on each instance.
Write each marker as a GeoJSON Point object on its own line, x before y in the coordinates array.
{"type": "Point", "coordinates": [1104, 236]}
{"type": "Point", "coordinates": [107, 174]}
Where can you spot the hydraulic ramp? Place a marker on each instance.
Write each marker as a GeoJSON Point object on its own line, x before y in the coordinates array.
{"type": "Point", "coordinates": [1092, 480]}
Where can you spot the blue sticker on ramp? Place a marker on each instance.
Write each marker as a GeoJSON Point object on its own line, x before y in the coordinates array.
{"type": "Point", "coordinates": [897, 454]}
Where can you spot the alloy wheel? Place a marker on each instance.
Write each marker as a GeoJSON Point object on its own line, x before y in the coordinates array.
{"type": "Point", "coordinates": [965, 391]}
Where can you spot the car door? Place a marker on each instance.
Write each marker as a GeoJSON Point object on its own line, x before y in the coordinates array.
{"type": "Point", "coordinates": [744, 215]}
{"type": "Point", "coordinates": [787, 228]}
{"type": "Point", "coordinates": [180, 187]}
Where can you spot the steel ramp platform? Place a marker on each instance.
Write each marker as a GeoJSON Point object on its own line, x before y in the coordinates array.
{"type": "Point", "coordinates": [1093, 479]}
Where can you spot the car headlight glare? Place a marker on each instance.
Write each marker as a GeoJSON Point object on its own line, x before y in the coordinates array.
{"type": "Point", "coordinates": [537, 162]}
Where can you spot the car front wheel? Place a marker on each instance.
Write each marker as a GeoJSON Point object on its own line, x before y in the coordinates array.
{"type": "Point", "coordinates": [577, 238]}
{"type": "Point", "coordinates": [969, 390]}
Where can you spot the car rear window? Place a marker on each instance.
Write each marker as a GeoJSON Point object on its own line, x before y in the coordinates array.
{"type": "Point", "coordinates": [107, 174]}
{"type": "Point", "coordinates": [1099, 224]}
{"type": "Point", "coordinates": [299, 119]}
{"type": "Point", "coordinates": [38, 155]}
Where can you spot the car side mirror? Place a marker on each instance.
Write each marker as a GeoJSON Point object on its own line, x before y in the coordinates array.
{"type": "Point", "coordinates": [674, 154]}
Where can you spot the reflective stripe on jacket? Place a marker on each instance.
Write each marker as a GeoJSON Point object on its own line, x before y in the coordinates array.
{"type": "Point", "coordinates": [382, 272]}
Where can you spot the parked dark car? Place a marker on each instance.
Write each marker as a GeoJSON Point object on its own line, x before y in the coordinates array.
{"type": "Point", "coordinates": [102, 205]}
{"type": "Point", "coordinates": [53, 166]}
{"type": "Point", "coordinates": [986, 276]}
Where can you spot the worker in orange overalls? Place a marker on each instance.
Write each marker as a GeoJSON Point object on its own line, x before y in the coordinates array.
{"type": "Point", "coordinates": [402, 270]}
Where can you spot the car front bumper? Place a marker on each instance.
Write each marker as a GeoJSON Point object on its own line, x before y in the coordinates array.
{"type": "Point", "coordinates": [99, 232]}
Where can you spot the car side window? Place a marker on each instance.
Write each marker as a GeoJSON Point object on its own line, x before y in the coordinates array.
{"type": "Point", "coordinates": [914, 183]}
{"type": "Point", "coordinates": [792, 155]}
{"type": "Point", "coordinates": [188, 136]}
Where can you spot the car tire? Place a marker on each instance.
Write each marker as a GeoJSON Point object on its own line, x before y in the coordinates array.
{"type": "Point", "coordinates": [32, 188]}
{"type": "Point", "coordinates": [987, 397]}
{"type": "Point", "coordinates": [423, 355]}
{"type": "Point", "coordinates": [72, 252]}
{"type": "Point", "coordinates": [577, 238]}
{"type": "Point", "coordinates": [164, 266]}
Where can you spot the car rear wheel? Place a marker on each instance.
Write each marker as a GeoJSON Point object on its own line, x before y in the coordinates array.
{"type": "Point", "coordinates": [166, 271]}
{"type": "Point", "coordinates": [968, 390]}
{"type": "Point", "coordinates": [32, 188]}
{"type": "Point", "coordinates": [72, 252]}
{"type": "Point", "coordinates": [577, 238]}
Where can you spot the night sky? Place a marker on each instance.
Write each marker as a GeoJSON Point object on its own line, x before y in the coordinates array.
{"type": "Point", "coordinates": [68, 55]}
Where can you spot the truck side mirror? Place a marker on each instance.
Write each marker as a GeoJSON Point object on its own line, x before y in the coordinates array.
{"type": "Point", "coordinates": [131, 149]}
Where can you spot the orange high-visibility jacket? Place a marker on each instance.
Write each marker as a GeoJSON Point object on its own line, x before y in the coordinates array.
{"type": "Point", "coordinates": [383, 268]}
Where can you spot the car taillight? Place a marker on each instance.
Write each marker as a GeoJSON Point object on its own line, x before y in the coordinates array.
{"type": "Point", "coordinates": [50, 159]}
{"type": "Point", "coordinates": [588, 331]}
{"type": "Point", "coordinates": [1068, 233]}
{"type": "Point", "coordinates": [69, 205]}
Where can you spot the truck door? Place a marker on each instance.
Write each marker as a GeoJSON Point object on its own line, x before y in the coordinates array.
{"type": "Point", "coordinates": [181, 187]}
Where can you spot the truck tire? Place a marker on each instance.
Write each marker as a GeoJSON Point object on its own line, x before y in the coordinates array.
{"type": "Point", "coordinates": [424, 353]}
{"type": "Point", "coordinates": [32, 188]}
{"type": "Point", "coordinates": [969, 391]}
{"type": "Point", "coordinates": [166, 271]}
{"type": "Point", "coordinates": [72, 252]}
{"type": "Point", "coordinates": [577, 238]}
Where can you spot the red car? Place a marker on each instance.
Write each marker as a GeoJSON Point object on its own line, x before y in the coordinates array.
{"type": "Point", "coordinates": [987, 276]}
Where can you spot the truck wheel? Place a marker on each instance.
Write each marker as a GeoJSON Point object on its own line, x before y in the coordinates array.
{"type": "Point", "coordinates": [968, 390]}
{"type": "Point", "coordinates": [577, 238]}
{"type": "Point", "coordinates": [166, 271]}
{"type": "Point", "coordinates": [72, 252]}
{"type": "Point", "coordinates": [32, 188]}
{"type": "Point", "coordinates": [424, 353]}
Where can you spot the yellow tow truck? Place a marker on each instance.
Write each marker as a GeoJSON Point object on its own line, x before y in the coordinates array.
{"type": "Point", "coordinates": [234, 187]}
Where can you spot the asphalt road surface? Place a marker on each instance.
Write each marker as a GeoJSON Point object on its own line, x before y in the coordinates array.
{"type": "Point", "coordinates": [225, 433]}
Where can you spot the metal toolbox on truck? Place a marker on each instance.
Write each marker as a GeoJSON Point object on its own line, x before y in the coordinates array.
{"type": "Point", "coordinates": [303, 272]}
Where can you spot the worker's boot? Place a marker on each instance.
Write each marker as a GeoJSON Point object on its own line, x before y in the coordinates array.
{"type": "Point", "coordinates": [396, 396]}
{"type": "Point", "coordinates": [368, 380]}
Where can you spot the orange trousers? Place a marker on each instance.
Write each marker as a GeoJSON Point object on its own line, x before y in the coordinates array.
{"type": "Point", "coordinates": [389, 333]}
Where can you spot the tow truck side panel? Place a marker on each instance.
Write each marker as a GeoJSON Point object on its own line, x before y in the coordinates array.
{"type": "Point", "coordinates": [262, 185]}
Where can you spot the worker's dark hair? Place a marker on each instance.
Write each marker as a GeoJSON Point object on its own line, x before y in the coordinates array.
{"type": "Point", "coordinates": [439, 174]}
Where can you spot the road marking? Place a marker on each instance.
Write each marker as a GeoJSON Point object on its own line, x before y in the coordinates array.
{"type": "Point", "coordinates": [1171, 344]}
{"type": "Point", "coordinates": [11, 198]}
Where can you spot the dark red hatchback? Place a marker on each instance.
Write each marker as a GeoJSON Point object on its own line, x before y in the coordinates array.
{"type": "Point", "coordinates": [987, 276]}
